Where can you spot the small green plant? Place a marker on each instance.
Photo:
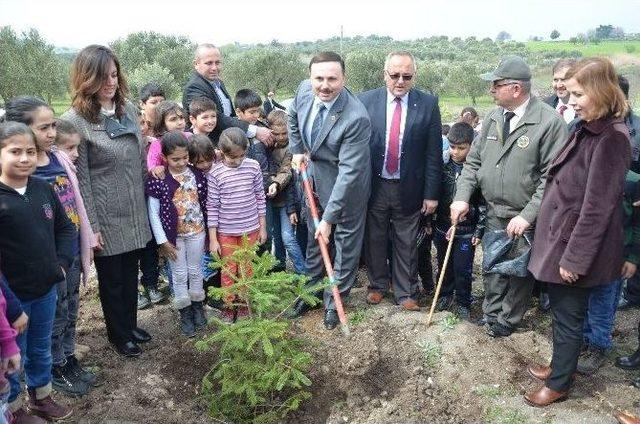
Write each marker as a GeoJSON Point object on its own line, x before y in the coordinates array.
{"type": "Point", "coordinates": [431, 354]}
{"type": "Point", "coordinates": [261, 372]}
{"type": "Point", "coordinates": [450, 321]}
{"type": "Point", "coordinates": [502, 415]}
{"type": "Point", "coordinates": [358, 316]}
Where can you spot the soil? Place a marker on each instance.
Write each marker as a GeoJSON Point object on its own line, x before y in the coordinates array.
{"type": "Point", "coordinates": [392, 369]}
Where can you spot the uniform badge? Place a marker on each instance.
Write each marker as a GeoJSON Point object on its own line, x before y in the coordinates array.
{"type": "Point", "coordinates": [523, 142]}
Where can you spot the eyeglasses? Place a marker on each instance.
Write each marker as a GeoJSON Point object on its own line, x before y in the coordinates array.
{"type": "Point", "coordinates": [396, 77]}
{"type": "Point", "coordinates": [503, 84]}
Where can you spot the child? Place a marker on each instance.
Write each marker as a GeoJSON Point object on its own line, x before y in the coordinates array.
{"type": "Point", "coordinates": [168, 116]}
{"type": "Point", "coordinates": [458, 274]}
{"type": "Point", "coordinates": [150, 96]}
{"type": "Point", "coordinates": [277, 191]}
{"type": "Point", "coordinates": [203, 115]}
{"type": "Point", "coordinates": [248, 104]}
{"type": "Point", "coordinates": [9, 351]}
{"type": "Point", "coordinates": [38, 246]}
{"type": "Point", "coordinates": [177, 210]}
{"type": "Point", "coordinates": [235, 205]}
{"type": "Point", "coordinates": [67, 139]}
{"type": "Point", "coordinates": [294, 209]}
{"type": "Point", "coordinates": [57, 169]}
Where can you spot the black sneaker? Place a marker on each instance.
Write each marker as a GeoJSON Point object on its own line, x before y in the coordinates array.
{"type": "Point", "coordinates": [83, 374]}
{"type": "Point", "coordinates": [155, 295]}
{"type": "Point", "coordinates": [143, 301]}
{"type": "Point", "coordinates": [591, 361]}
{"type": "Point", "coordinates": [66, 382]}
{"type": "Point", "coordinates": [199, 316]}
{"type": "Point", "coordinates": [444, 303]}
{"type": "Point", "coordinates": [186, 321]}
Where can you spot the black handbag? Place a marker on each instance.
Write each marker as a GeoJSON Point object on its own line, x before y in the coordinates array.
{"type": "Point", "coordinates": [504, 255]}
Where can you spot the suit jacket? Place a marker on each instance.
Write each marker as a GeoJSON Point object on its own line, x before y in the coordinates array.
{"type": "Point", "coordinates": [339, 158]}
{"type": "Point", "coordinates": [198, 87]}
{"type": "Point", "coordinates": [552, 100]}
{"type": "Point", "coordinates": [270, 105]}
{"type": "Point", "coordinates": [580, 222]}
{"type": "Point", "coordinates": [421, 157]}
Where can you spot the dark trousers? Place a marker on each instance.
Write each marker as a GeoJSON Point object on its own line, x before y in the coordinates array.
{"type": "Point", "coordinates": [385, 219]}
{"type": "Point", "coordinates": [118, 287]}
{"type": "Point", "coordinates": [632, 290]}
{"type": "Point", "coordinates": [425, 269]}
{"type": "Point", "coordinates": [149, 265]}
{"type": "Point", "coordinates": [568, 310]}
{"type": "Point", "coordinates": [458, 275]}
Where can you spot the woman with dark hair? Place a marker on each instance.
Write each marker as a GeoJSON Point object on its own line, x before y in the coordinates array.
{"type": "Point", "coordinates": [111, 173]}
{"type": "Point", "coordinates": [579, 231]}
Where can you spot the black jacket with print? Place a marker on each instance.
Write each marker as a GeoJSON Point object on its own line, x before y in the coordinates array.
{"type": "Point", "coordinates": [36, 239]}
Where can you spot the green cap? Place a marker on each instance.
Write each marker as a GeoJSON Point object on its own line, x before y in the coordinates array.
{"type": "Point", "coordinates": [510, 67]}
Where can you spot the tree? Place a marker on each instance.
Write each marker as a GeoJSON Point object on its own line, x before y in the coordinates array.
{"type": "Point", "coordinates": [603, 32]}
{"type": "Point", "coordinates": [554, 34]}
{"type": "Point", "coordinates": [432, 76]}
{"type": "Point", "coordinates": [464, 79]}
{"type": "Point", "coordinates": [174, 53]}
{"type": "Point", "coordinates": [264, 70]}
{"type": "Point", "coordinates": [29, 66]}
{"type": "Point", "coordinates": [153, 72]}
{"type": "Point", "coordinates": [365, 69]}
{"type": "Point", "coordinates": [503, 36]}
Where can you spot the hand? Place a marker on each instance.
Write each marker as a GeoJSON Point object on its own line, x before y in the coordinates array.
{"type": "Point", "coordinates": [517, 226]}
{"type": "Point", "coordinates": [428, 228]}
{"type": "Point", "coordinates": [157, 172]}
{"type": "Point", "coordinates": [273, 190]}
{"type": "Point", "coordinates": [214, 247]}
{"type": "Point", "coordinates": [568, 276]}
{"type": "Point", "coordinates": [20, 324]}
{"type": "Point", "coordinates": [629, 269]}
{"type": "Point", "coordinates": [296, 160]}
{"type": "Point", "coordinates": [323, 231]}
{"type": "Point", "coordinates": [293, 218]}
{"type": "Point", "coordinates": [428, 206]}
{"type": "Point", "coordinates": [265, 136]}
{"type": "Point", "coordinates": [459, 210]}
{"type": "Point", "coordinates": [636, 203]}
{"type": "Point", "coordinates": [262, 235]}
{"type": "Point", "coordinates": [475, 241]}
{"type": "Point", "coordinates": [169, 251]}
{"type": "Point", "coordinates": [99, 241]}
{"type": "Point", "coordinates": [449, 233]}
{"type": "Point", "coordinates": [11, 364]}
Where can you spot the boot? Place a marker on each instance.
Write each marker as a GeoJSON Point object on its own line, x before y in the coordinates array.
{"type": "Point", "coordinates": [47, 408]}
{"type": "Point", "coordinates": [21, 416]}
{"type": "Point", "coordinates": [631, 362]}
{"type": "Point", "coordinates": [199, 315]}
{"type": "Point", "coordinates": [186, 322]}
{"type": "Point", "coordinates": [66, 382]}
{"type": "Point", "coordinates": [591, 361]}
{"type": "Point", "coordinates": [82, 373]}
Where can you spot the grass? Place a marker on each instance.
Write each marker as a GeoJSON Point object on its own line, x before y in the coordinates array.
{"type": "Point", "coordinates": [604, 48]}
{"type": "Point", "coordinates": [501, 415]}
{"type": "Point", "coordinates": [449, 322]}
{"type": "Point", "coordinates": [431, 354]}
{"type": "Point", "coordinates": [494, 391]}
{"type": "Point", "coordinates": [358, 316]}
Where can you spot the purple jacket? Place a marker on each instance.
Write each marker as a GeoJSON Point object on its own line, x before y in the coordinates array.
{"type": "Point", "coordinates": [164, 190]}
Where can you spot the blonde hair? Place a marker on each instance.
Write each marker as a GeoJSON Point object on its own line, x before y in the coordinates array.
{"type": "Point", "coordinates": [599, 80]}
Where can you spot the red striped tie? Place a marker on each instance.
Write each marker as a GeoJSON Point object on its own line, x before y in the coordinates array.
{"type": "Point", "coordinates": [393, 151]}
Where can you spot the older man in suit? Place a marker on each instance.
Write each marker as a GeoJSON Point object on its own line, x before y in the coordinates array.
{"type": "Point", "coordinates": [406, 158]}
{"type": "Point", "coordinates": [206, 82]}
{"type": "Point", "coordinates": [329, 129]}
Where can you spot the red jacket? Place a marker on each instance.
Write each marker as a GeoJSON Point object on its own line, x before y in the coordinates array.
{"type": "Point", "coordinates": [579, 226]}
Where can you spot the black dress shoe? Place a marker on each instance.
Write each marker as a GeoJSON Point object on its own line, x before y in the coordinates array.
{"type": "Point", "coordinates": [631, 362]}
{"type": "Point", "coordinates": [140, 336]}
{"type": "Point", "coordinates": [497, 330]}
{"type": "Point", "coordinates": [300, 308]}
{"type": "Point", "coordinates": [330, 319]}
{"type": "Point", "coordinates": [128, 349]}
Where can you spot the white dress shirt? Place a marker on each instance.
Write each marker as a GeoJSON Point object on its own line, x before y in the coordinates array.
{"type": "Point", "coordinates": [314, 112]}
{"type": "Point", "coordinates": [569, 114]}
{"type": "Point", "coordinates": [519, 113]}
{"type": "Point", "coordinates": [391, 107]}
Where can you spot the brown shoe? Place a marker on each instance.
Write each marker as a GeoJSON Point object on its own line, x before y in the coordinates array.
{"type": "Point", "coordinates": [626, 418]}
{"type": "Point", "coordinates": [544, 396]}
{"type": "Point", "coordinates": [410, 305]}
{"type": "Point", "coordinates": [21, 416]}
{"type": "Point", "coordinates": [47, 408]}
{"type": "Point", "coordinates": [540, 372]}
{"type": "Point", "coordinates": [373, 298]}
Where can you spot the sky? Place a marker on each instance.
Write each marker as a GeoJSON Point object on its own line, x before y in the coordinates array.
{"type": "Point", "coordinates": [75, 24]}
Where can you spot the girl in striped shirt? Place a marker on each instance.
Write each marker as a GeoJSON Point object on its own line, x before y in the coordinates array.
{"type": "Point", "coordinates": [236, 207]}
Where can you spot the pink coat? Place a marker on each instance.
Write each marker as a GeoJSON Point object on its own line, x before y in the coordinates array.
{"type": "Point", "coordinates": [87, 238]}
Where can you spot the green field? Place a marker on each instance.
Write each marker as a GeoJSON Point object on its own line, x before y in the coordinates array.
{"type": "Point", "coordinates": [604, 48]}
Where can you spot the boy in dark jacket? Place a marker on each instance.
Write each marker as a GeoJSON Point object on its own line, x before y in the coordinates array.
{"type": "Point", "coordinates": [458, 274]}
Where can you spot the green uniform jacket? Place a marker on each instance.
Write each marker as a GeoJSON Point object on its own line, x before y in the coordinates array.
{"type": "Point", "coordinates": [511, 175]}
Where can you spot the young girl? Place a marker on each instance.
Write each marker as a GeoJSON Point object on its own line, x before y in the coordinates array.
{"type": "Point", "coordinates": [236, 205]}
{"type": "Point", "coordinates": [67, 139]}
{"type": "Point", "coordinates": [177, 211]}
{"type": "Point", "coordinates": [38, 248]}
{"type": "Point", "coordinates": [168, 116]}
{"type": "Point", "coordinates": [55, 167]}
{"type": "Point", "coordinates": [9, 351]}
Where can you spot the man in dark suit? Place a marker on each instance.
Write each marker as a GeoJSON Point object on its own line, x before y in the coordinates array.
{"type": "Point", "coordinates": [559, 100]}
{"type": "Point", "coordinates": [205, 82]}
{"type": "Point", "coordinates": [270, 104]}
{"type": "Point", "coordinates": [329, 129]}
{"type": "Point", "coordinates": [406, 159]}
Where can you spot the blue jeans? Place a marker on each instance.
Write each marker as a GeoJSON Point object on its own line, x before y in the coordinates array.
{"type": "Point", "coordinates": [63, 339]}
{"type": "Point", "coordinates": [458, 276]}
{"type": "Point", "coordinates": [290, 241]}
{"type": "Point", "coordinates": [274, 234]}
{"type": "Point", "coordinates": [35, 343]}
{"type": "Point", "coordinates": [601, 315]}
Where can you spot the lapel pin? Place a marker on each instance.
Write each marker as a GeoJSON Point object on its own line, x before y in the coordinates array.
{"type": "Point", "coordinates": [333, 117]}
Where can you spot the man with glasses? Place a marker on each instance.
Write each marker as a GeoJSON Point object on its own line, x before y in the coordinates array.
{"type": "Point", "coordinates": [508, 162]}
{"type": "Point", "coordinates": [406, 160]}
